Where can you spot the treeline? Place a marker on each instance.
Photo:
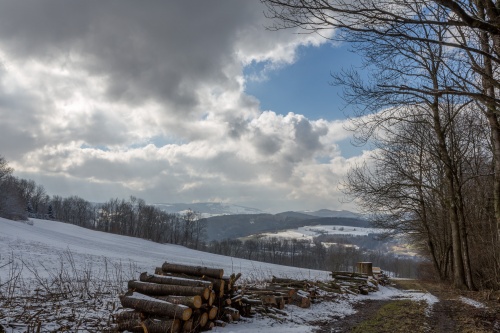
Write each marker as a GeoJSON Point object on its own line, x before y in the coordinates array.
{"type": "Point", "coordinates": [314, 254]}
{"type": "Point", "coordinates": [21, 198]}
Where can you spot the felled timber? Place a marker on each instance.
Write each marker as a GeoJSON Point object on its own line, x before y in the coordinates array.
{"type": "Point", "coordinates": [143, 303]}
{"type": "Point", "coordinates": [150, 325]}
{"type": "Point", "coordinates": [166, 279]}
{"type": "Point", "coordinates": [193, 302]}
{"type": "Point", "coordinates": [154, 289]}
{"type": "Point", "coordinates": [301, 300]}
{"type": "Point", "coordinates": [193, 270]}
{"type": "Point", "coordinates": [234, 313]}
{"type": "Point", "coordinates": [188, 325]}
{"type": "Point", "coordinates": [200, 319]}
{"type": "Point", "coordinates": [212, 312]}
{"type": "Point", "coordinates": [219, 285]}
{"type": "Point", "coordinates": [128, 315]}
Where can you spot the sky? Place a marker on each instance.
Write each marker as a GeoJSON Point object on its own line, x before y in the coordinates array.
{"type": "Point", "coordinates": [172, 101]}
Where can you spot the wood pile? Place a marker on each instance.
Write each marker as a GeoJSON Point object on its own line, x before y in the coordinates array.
{"type": "Point", "coordinates": [183, 298]}
{"type": "Point", "coordinates": [178, 298]}
{"type": "Point", "coordinates": [354, 283]}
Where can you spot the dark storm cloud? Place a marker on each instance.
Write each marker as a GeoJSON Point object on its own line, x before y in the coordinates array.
{"type": "Point", "coordinates": [159, 50]}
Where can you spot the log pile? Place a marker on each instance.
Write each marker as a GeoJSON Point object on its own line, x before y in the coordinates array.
{"type": "Point", "coordinates": [178, 298]}
{"type": "Point", "coordinates": [354, 283]}
{"type": "Point", "coordinates": [182, 298]}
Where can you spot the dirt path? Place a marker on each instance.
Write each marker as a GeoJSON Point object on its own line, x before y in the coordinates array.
{"type": "Point", "coordinates": [364, 311]}
{"type": "Point", "coordinates": [453, 314]}
{"type": "Point", "coordinates": [450, 315]}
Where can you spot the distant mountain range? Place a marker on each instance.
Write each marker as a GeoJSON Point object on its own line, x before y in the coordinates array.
{"type": "Point", "coordinates": [233, 221]}
{"type": "Point", "coordinates": [207, 209]}
{"type": "Point", "coordinates": [210, 209]}
{"type": "Point", "coordinates": [237, 226]}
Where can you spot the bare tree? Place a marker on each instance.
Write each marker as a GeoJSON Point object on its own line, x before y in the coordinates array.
{"type": "Point", "coordinates": [438, 56]}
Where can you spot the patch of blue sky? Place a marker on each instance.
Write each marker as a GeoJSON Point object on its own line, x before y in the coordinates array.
{"type": "Point", "coordinates": [161, 141]}
{"type": "Point", "coordinates": [303, 87]}
{"type": "Point", "coordinates": [97, 147]}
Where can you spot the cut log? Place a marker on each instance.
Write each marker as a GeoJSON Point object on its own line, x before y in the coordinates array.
{"type": "Point", "coordinates": [155, 306]}
{"type": "Point", "coordinates": [188, 326]}
{"type": "Point", "coordinates": [154, 289]}
{"type": "Point", "coordinates": [193, 302]}
{"type": "Point", "coordinates": [251, 301]}
{"type": "Point", "coordinates": [234, 313]}
{"type": "Point", "coordinates": [200, 319]}
{"type": "Point", "coordinates": [212, 312]}
{"type": "Point", "coordinates": [218, 285]}
{"type": "Point", "coordinates": [193, 270]}
{"type": "Point", "coordinates": [150, 326]}
{"type": "Point", "coordinates": [165, 279]}
{"type": "Point", "coordinates": [301, 301]}
{"type": "Point", "coordinates": [128, 315]}
{"type": "Point", "coordinates": [211, 299]}
{"type": "Point", "coordinates": [268, 299]}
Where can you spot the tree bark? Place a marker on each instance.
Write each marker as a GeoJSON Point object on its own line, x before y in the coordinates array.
{"type": "Point", "coordinates": [154, 306]}
{"type": "Point", "coordinates": [154, 289]}
{"type": "Point", "coordinates": [166, 279]}
{"type": "Point", "coordinates": [193, 270]}
{"type": "Point", "coordinates": [193, 302]}
{"type": "Point", "coordinates": [150, 325]}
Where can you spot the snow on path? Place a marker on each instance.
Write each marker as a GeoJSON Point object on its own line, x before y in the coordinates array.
{"type": "Point", "coordinates": [476, 304]}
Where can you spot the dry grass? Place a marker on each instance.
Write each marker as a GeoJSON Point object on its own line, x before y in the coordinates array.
{"type": "Point", "coordinates": [71, 298]}
{"type": "Point", "coordinates": [400, 316]}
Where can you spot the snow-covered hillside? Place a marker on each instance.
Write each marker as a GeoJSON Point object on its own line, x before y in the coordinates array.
{"type": "Point", "coordinates": [60, 277]}
{"type": "Point", "coordinates": [47, 242]}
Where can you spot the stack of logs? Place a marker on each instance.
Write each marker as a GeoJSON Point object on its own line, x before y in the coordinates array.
{"type": "Point", "coordinates": [192, 298]}
{"type": "Point", "coordinates": [354, 283]}
{"type": "Point", "coordinates": [177, 298]}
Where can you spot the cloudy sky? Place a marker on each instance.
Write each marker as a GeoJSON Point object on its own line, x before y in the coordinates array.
{"type": "Point", "coordinates": [171, 101]}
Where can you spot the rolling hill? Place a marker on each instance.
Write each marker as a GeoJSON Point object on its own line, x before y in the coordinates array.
{"type": "Point", "coordinates": [235, 226]}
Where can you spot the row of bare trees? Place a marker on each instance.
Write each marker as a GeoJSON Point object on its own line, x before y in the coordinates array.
{"type": "Point", "coordinates": [21, 198]}
{"type": "Point", "coordinates": [430, 108]}
{"type": "Point", "coordinates": [135, 218]}
{"type": "Point", "coordinates": [313, 254]}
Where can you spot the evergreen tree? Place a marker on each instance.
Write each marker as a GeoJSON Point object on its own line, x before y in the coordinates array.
{"type": "Point", "coordinates": [50, 212]}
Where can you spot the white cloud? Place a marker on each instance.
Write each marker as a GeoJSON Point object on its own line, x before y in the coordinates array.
{"type": "Point", "coordinates": [139, 100]}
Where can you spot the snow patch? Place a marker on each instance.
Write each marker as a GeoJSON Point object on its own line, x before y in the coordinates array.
{"type": "Point", "coordinates": [476, 304]}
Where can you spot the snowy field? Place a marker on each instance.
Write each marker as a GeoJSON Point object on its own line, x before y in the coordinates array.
{"type": "Point", "coordinates": [60, 277]}
{"type": "Point", "coordinates": [309, 232]}
{"type": "Point", "coordinates": [47, 242]}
